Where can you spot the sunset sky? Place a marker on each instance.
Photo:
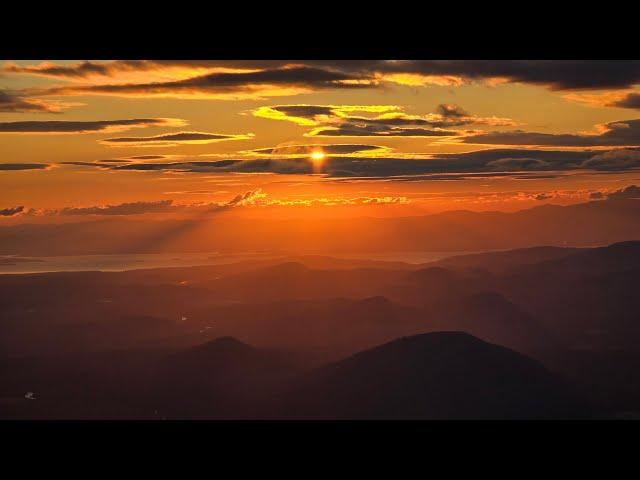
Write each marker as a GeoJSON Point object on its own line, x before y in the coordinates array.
{"type": "Point", "coordinates": [290, 138]}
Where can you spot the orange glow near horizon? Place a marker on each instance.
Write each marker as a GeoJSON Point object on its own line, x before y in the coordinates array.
{"type": "Point", "coordinates": [398, 145]}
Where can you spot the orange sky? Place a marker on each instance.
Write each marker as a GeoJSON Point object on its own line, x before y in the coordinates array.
{"type": "Point", "coordinates": [395, 138]}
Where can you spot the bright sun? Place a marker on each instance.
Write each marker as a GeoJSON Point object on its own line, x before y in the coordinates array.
{"type": "Point", "coordinates": [317, 156]}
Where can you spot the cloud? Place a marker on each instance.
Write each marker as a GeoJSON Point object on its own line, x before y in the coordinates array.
{"type": "Point", "coordinates": [630, 192]}
{"type": "Point", "coordinates": [174, 139]}
{"type": "Point", "coordinates": [451, 111]}
{"type": "Point", "coordinates": [354, 161]}
{"type": "Point", "coordinates": [11, 211]}
{"type": "Point", "coordinates": [66, 126]}
{"type": "Point", "coordinates": [160, 206]}
{"type": "Point", "coordinates": [313, 115]}
{"type": "Point", "coordinates": [78, 70]}
{"type": "Point", "coordinates": [388, 121]}
{"type": "Point", "coordinates": [368, 130]}
{"type": "Point", "coordinates": [113, 68]}
{"type": "Point", "coordinates": [518, 164]}
{"type": "Point", "coordinates": [227, 85]}
{"type": "Point", "coordinates": [552, 74]}
{"type": "Point", "coordinates": [328, 149]}
{"type": "Point", "coordinates": [132, 208]}
{"type": "Point", "coordinates": [543, 196]}
{"type": "Point", "coordinates": [489, 161]}
{"type": "Point", "coordinates": [24, 166]}
{"type": "Point", "coordinates": [631, 100]}
{"type": "Point", "coordinates": [16, 103]}
{"type": "Point", "coordinates": [622, 159]}
{"type": "Point", "coordinates": [251, 198]}
{"type": "Point", "coordinates": [338, 201]}
{"type": "Point", "coordinates": [622, 133]}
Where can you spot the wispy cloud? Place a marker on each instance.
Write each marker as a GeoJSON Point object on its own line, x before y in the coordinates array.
{"type": "Point", "coordinates": [97, 126]}
{"type": "Point", "coordinates": [178, 138]}
{"type": "Point", "coordinates": [386, 121]}
{"type": "Point", "coordinates": [11, 211]}
{"type": "Point", "coordinates": [24, 166]}
{"type": "Point", "coordinates": [11, 102]}
{"type": "Point", "coordinates": [614, 134]}
{"type": "Point", "coordinates": [552, 74]}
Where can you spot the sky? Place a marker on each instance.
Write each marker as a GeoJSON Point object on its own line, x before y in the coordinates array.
{"type": "Point", "coordinates": [289, 138]}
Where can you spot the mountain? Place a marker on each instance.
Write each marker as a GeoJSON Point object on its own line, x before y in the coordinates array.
{"type": "Point", "coordinates": [504, 261]}
{"type": "Point", "coordinates": [294, 280]}
{"type": "Point", "coordinates": [223, 378]}
{"type": "Point", "coordinates": [334, 326]}
{"type": "Point", "coordinates": [584, 224]}
{"type": "Point", "coordinates": [442, 375]}
{"type": "Point", "coordinates": [593, 261]}
{"type": "Point", "coordinates": [493, 318]}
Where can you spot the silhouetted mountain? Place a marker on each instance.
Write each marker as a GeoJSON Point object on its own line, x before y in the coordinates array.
{"type": "Point", "coordinates": [491, 317]}
{"type": "Point", "coordinates": [223, 378]}
{"type": "Point", "coordinates": [443, 375]}
{"type": "Point", "coordinates": [505, 261]}
{"type": "Point", "coordinates": [293, 280]}
{"type": "Point", "coordinates": [594, 261]}
{"type": "Point", "coordinates": [333, 326]}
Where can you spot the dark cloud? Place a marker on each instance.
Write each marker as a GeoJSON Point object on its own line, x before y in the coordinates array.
{"type": "Point", "coordinates": [133, 208]}
{"type": "Point", "coordinates": [78, 70]}
{"type": "Point", "coordinates": [23, 166]}
{"type": "Point", "coordinates": [87, 68]}
{"type": "Point", "coordinates": [146, 157]}
{"type": "Point", "coordinates": [613, 160]}
{"type": "Point", "coordinates": [542, 196]}
{"type": "Point", "coordinates": [622, 133]}
{"type": "Point", "coordinates": [489, 161]}
{"type": "Point", "coordinates": [451, 111]}
{"type": "Point", "coordinates": [236, 82]}
{"type": "Point", "coordinates": [632, 100]}
{"type": "Point", "coordinates": [304, 111]}
{"type": "Point", "coordinates": [553, 74]}
{"type": "Point", "coordinates": [519, 164]}
{"type": "Point", "coordinates": [66, 126]}
{"type": "Point", "coordinates": [11, 211]}
{"type": "Point", "coordinates": [14, 103]}
{"type": "Point", "coordinates": [283, 166]}
{"type": "Point", "coordinates": [330, 149]}
{"type": "Point", "coordinates": [596, 195]}
{"type": "Point", "coordinates": [366, 129]}
{"type": "Point", "coordinates": [174, 138]}
{"type": "Point", "coordinates": [632, 191]}
{"type": "Point", "coordinates": [441, 166]}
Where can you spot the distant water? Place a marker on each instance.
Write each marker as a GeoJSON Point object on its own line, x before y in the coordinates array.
{"type": "Point", "coordinates": [121, 262]}
{"type": "Point", "coordinates": [117, 262]}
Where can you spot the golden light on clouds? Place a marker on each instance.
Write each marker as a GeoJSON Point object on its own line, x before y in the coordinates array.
{"type": "Point", "coordinates": [406, 127]}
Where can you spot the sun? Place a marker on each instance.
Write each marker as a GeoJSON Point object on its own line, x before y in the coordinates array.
{"type": "Point", "coordinates": [317, 159]}
{"type": "Point", "coordinates": [318, 156]}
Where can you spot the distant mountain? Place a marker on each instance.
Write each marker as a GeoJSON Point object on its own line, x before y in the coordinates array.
{"type": "Point", "coordinates": [611, 258]}
{"type": "Point", "coordinates": [443, 375]}
{"type": "Point", "coordinates": [333, 326]}
{"type": "Point", "coordinates": [223, 378]}
{"type": "Point", "coordinates": [493, 318]}
{"type": "Point", "coordinates": [584, 224]}
{"type": "Point", "coordinates": [294, 280]}
{"type": "Point", "coordinates": [504, 261]}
